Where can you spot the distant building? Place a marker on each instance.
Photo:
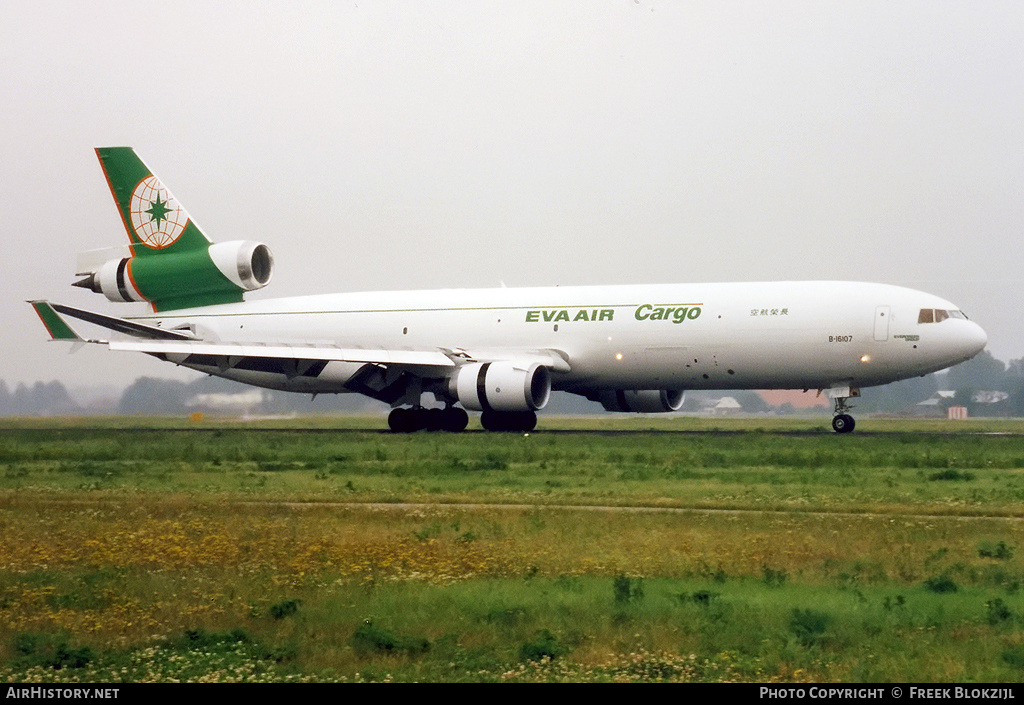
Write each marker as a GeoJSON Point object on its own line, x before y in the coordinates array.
{"type": "Point", "coordinates": [990, 397]}
{"type": "Point", "coordinates": [985, 403]}
{"type": "Point", "coordinates": [721, 406]}
{"type": "Point", "coordinates": [936, 404]}
{"type": "Point", "coordinates": [242, 403]}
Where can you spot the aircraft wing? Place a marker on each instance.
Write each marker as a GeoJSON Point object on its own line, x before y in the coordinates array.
{"type": "Point", "coordinates": [179, 345]}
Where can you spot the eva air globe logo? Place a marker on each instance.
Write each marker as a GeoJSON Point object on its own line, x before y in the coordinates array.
{"type": "Point", "coordinates": [157, 218]}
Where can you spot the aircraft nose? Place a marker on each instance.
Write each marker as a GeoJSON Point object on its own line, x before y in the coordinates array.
{"type": "Point", "coordinates": [979, 339]}
{"type": "Point", "coordinates": [975, 339]}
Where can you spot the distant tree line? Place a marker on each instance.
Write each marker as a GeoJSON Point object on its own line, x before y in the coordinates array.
{"type": "Point", "coordinates": [39, 399]}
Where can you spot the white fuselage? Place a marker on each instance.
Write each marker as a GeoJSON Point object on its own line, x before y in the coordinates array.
{"type": "Point", "coordinates": [771, 335]}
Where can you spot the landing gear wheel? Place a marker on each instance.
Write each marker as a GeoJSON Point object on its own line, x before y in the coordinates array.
{"type": "Point", "coordinates": [843, 423]}
{"type": "Point", "coordinates": [433, 419]}
{"type": "Point", "coordinates": [404, 420]}
{"type": "Point", "coordinates": [455, 419]}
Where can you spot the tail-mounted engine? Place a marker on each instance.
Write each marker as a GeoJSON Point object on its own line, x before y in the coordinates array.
{"type": "Point", "coordinates": [218, 274]}
{"type": "Point", "coordinates": [642, 401]}
{"type": "Point", "coordinates": [501, 386]}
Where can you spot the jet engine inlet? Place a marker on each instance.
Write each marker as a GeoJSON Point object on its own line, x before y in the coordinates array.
{"type": "Point", "coordinates": [246, 263]}
{"type": "Point", "coordinates": [501, 386]}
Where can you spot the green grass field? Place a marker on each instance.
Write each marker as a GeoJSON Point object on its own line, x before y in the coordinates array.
{"type": "Point", "coordinates": [590, 550]}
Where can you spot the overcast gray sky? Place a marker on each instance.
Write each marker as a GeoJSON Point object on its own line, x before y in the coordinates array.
{"type": "Point", "coordinates": [464, 144]}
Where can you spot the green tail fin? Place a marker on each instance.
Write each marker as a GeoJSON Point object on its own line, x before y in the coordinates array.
{"type": "Point", "coordinates": [173, 264]}
{"type": "Point", "coordinates": [153, 218]}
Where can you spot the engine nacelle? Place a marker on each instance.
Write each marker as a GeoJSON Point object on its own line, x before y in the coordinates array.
{"type": "Point", "coordinates": [246, 263]}
{"type": "Point", "coordinates": [642, 401]}
{"type": "Point", "coordinates": [219, 274]}
{"type": "Point", "coordinates": [501, 386]}
{"type": "Point", "coordinates": [113, 281]}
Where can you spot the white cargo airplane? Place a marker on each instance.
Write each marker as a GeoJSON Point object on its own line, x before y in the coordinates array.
{"type": "Point", "coordinates": [500, 351]}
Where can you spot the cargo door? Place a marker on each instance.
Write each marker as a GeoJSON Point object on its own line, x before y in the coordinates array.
{"type": "Point", "coordinates": [882, 323]}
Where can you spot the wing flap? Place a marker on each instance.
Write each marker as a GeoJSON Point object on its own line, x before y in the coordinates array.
{"type": "Point", "coordinates": [175, 348]}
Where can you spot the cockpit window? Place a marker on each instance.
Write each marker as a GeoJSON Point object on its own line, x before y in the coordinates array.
{"type": "Point", "coordinates": [937, 315]}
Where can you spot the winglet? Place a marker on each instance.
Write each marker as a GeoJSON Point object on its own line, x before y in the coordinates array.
{"type": "Point", "coordinates": [55, 324]}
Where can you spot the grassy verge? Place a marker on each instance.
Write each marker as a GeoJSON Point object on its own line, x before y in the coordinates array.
{"type": "Point", "coordinates": [241, 554]}
{"type": "Point", "coordinates": [750, 467]}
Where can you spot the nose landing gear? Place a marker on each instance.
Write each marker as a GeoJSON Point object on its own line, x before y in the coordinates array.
{"type": "Point", "coordinates": [842, 422]}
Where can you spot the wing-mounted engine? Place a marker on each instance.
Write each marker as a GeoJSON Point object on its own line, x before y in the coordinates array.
{"type": "Point", "coordinates": [218, 274]}
{"type": "Point", "coordinates": [501, 386]}
{"type": "Point", "coordinates": [642, 401]}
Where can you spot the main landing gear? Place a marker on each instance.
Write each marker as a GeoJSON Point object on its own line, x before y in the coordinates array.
{"type": "Point", "coordinates": [451, 418]}
{"type": "Point", "coordinates": [454, 419]}
{"type": "Point", "coordinates": [842, 422]}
